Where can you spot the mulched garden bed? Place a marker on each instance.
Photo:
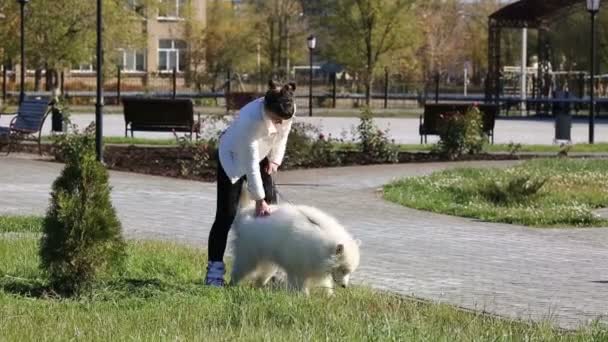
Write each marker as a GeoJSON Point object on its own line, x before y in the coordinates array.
{"type": "Point", "coordinates": [179, 162]}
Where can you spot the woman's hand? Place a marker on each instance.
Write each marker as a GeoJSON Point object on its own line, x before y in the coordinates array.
{"type": "Point", "coordinates": [262, 208]}
{"type": "Point", "coordinates": [271, 168]}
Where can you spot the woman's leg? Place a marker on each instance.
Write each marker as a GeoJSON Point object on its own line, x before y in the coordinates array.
{"type": "Point", "coordinates": [227, 204]}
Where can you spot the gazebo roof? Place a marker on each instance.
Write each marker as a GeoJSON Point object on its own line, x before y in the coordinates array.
{"type": "Point", "coordinates": [531, 13]}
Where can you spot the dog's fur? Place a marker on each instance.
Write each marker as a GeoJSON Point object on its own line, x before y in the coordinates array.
{"type": "Point", "coordinates": [313, 248]}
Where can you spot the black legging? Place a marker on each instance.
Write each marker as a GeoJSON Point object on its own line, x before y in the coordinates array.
{"type": "Point", "coordinates": [228, 195]}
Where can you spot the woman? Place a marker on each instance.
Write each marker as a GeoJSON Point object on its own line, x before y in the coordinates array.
{"type": "Point", "coordinates": [251, 149]}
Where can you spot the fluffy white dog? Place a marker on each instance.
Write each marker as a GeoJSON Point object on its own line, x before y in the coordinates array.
{"type": "Point", "coordinates": [313, 248]}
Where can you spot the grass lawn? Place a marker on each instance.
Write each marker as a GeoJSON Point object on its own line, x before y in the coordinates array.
{"type": "Point", "coordinates": [572, 189]}
{"type": "Point", "coordinates": [160, 297]}
{"type": "Point", "coordinates": [580, 148]}
{"type": "Point", "coordinates": [132, 141]}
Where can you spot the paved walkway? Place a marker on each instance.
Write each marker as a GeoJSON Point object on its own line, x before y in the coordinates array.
{"type": "Point", "coordinates": [403, 130]}
{"type": "Point", "coordinates": [560, 274]}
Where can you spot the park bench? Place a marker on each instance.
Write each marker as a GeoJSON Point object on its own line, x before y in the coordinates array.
{"type": "Point", "coordinates": [160, 115]}
{"type": "Point", "coordinates": [26, 124]}
{"type": "Point", "coordinates": [430, 120]}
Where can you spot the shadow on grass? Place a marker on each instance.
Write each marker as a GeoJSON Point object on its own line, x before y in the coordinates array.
{"type": "Point", "coordinates": [103, 290]}
{"type": "Point", "coordinates": [31, 288]}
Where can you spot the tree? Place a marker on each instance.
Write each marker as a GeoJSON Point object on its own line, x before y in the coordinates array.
{"type": "Point", "coordinates": [224, 43]}
{"type": "Point", "coordinates": [281, 23]}
{"type": "Point", "coordinates": [82, 235]}
{"type": "Point", "coordinates": [60, 34]}
{"type": "Point", "coordinates": [361, 33]}
{"type": "Point", "coordinates": [476, 35]}
{"type": "Point", "coordinates": [442, 47]}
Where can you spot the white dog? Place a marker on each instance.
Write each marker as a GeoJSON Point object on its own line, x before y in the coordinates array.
{"type": "Point", "coordinates": [313, 249]}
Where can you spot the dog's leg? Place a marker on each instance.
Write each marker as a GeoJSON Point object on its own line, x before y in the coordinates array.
{"type": "Point", "coordinates": [241, 268]}
{"type": "Point", "coordinates": [327, 284]}
{"type": "Point", "coordinates": [297, 284]}
{"type": "Point", "coordinates": [264, 273]}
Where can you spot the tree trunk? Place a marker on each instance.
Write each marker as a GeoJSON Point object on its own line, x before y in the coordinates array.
{"type": "Point", "coordinates": [51, 80]}
{"type": "Point", "coordinates": [369, 70]}
{"type": "Point", "coordinates": [271, 50]}
{"type": "Point", "coordinates": [37, 78]}
{"type": "Point", "coordinates": [279, 59]}
{"type": "Point", "coordinates": [369, 80]}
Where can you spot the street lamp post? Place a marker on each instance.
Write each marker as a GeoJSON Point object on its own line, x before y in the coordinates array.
{"type": "Point", "coordinates": [22, 79]}
{"type": "Point", "coordinates": [593, 6]}
{"type": "Point", "coordinates": [312, 43]}
{"type": "Point", "coordinates": [99, 102]}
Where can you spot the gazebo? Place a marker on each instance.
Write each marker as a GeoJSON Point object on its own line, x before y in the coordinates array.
{"type": "Point", "coordinates": [532, 14]}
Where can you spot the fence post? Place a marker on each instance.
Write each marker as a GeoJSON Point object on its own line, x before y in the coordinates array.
{"type": "Point", "coordinates": [437, 87]}
{"type": "Point", "coordinates": [118, 81]}
{"type": "Point", "coordinates": [62, 83]}
{"type": "Point", "coordinates": [536, 87]}
{"type": "Point", "coordinates": [174, 82]}
{"type": "Point", "coordinates": [4, 83]}
{"type": "Point", "coordinates": [333, 90]}
{"type": "Point", "coordinates": [385, 87]}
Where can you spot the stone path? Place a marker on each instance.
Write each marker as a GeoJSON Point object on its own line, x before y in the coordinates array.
{"type": "Point", "coordinates": [559, 274]}
{"type": "Point", "coordinates": [403, 130]}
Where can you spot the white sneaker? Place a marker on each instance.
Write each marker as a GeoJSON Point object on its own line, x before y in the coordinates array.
{"type": "Point", "coordinates": [215, 274]}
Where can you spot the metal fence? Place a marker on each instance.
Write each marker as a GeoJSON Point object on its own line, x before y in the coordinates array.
{"type": "Point", "coordinates": [392, 91]}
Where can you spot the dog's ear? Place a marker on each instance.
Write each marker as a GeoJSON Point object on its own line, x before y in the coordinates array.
{"type": "Point", "coordinates": [339, 249]}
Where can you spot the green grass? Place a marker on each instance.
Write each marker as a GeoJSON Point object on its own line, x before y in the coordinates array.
{"type": "Point", "coordinates": [140, 141]}
{"type": "Point", "coordinates": [159, 296]}
{"type": "Point", "coordinates": [573, 189]}
{"type": "Point", "coordinates": [579, 148]}
{"type": "Point", "coordinates": [132, 141]}
{"type": "Point", "coordinates": [20, 224]}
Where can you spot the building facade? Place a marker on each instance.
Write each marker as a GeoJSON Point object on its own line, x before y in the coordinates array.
{"type": "Point", "coordinates": [166, 46]}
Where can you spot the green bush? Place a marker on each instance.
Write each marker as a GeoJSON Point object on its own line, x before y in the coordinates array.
{"type": "Point", "coordinates": [460, 134]}
{"type": "Point", "coordinates": [203, 159]}
{"type": "Point", "coordinates": [474, 137]}
{"type": "Point", "coordinates": [308, 147]}
{"type": "Point", "coordinates": [82, 235]}
{"type": "Point", "coordinates": [374, 143]}
{"type": "Point", "coordinates": [519, 189]}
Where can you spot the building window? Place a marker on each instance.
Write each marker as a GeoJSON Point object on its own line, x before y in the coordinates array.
{"type": "Point", "coordinates": [171, 53]}
{"type": "Point", "coordinates": [84, 67]}
{"type": "Point", "coordinates": [132, 60]}
{"type": "Point", "coordinates": [136, 6]}
{"type": "Point", "coordinates": [171, 9]}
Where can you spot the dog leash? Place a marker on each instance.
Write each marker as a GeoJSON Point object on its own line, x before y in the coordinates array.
{"type": "Point", "coordinates": [278, 194]}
